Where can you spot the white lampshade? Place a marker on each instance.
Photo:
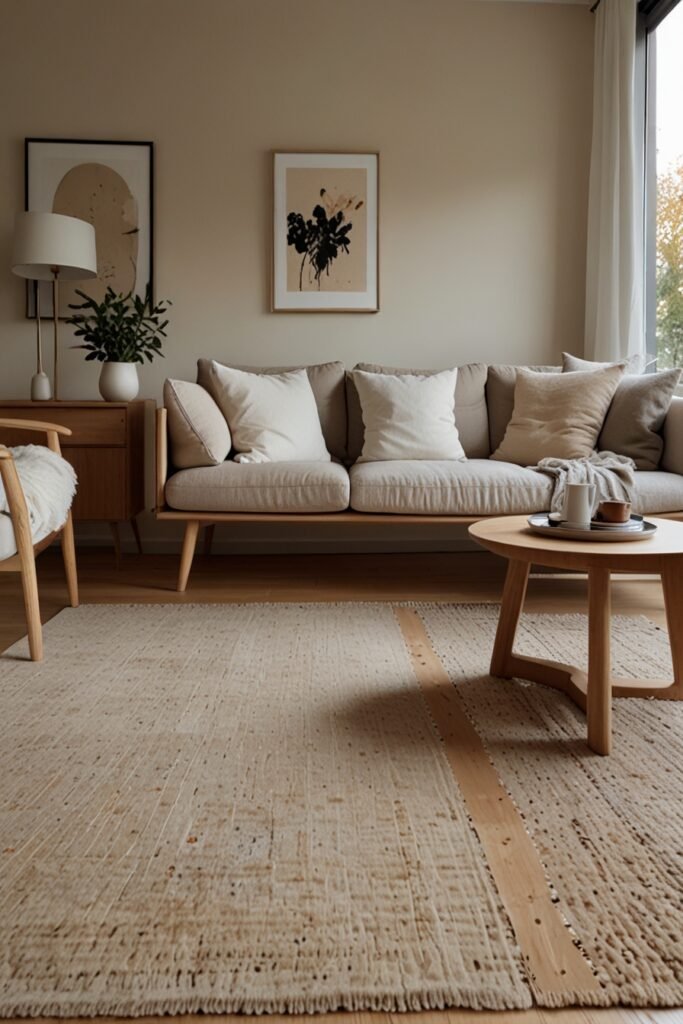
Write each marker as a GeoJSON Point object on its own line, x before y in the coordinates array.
{"type": "Point", "coordinates": [44, 241]}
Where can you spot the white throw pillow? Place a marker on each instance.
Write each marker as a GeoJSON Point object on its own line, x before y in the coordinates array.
{"type": "Point", "coordinates": [272, 417]}
{"type": "Point", "coordinates": [408, 417]}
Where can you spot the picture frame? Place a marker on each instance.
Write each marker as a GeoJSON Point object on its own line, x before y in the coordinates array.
{"type": "Point", "coordinates": [111, 185]}
{"type": "Point", "coordinates": [325, 232]}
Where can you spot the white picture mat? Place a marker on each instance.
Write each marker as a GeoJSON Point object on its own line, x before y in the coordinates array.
{"type": "Point", "coordinates": [328, 300]}
{"type": "Point", "coordinates": [48, 162]}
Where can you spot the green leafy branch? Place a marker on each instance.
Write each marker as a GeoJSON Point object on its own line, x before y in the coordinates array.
{"type": "Point", "coordinates": [121, 328]}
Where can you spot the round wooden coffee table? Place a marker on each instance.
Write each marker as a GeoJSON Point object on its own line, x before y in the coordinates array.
{"type": "Point", "coordinates": [593, 692]}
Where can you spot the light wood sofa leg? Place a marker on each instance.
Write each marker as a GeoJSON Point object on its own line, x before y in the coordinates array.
{"type": "Point", "coordinates": [69, 556]}
{"type": "Point", "coordinates": [187, 554]}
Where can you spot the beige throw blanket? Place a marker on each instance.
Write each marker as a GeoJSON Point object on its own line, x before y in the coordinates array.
{"type": "Point", "coordinates": [613, 476]}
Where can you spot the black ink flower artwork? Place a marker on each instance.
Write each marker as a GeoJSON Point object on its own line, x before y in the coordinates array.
{"type": "Point", "coordinates": [321, 238]}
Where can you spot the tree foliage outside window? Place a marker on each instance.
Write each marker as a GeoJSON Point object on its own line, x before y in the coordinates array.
{"type": "Point", "coordinates": [670, 268]}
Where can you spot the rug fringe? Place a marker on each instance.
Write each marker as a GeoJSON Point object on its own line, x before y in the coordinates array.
{"type": "Point", "coordinates": [407, 1002]}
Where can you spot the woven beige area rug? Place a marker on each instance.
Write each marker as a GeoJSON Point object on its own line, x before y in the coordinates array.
{"type": "Point", "coordinates": [264, 808]}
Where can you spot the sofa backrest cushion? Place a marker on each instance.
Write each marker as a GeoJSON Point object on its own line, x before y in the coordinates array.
{"type": "Point", "coordinates": [500, 397]}
{"type": "Point", "coordinates": [327, 383]}
{"type": "Point", "coordinates": [197, 429]}
{"type": "Point", "coordinates": [470, 408]}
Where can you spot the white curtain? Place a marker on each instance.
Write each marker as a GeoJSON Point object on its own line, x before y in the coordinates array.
{"type": "Point", "coordinates": [615, 280]}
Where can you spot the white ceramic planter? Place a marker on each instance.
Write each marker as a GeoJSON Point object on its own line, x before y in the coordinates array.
{"type": "Point", "coordinates": [119, 382]}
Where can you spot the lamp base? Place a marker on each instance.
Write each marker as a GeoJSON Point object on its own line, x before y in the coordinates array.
{"type": "Point", "coordinates": [41, 389]}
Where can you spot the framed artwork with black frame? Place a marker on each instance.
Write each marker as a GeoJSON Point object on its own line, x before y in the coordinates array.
{"type": "Point", "coordinates": [110, 185]}
{"type": "Point", "coordinates": [325, 232]}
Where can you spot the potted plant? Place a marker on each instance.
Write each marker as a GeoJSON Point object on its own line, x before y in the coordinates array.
{"type": "Point", "coordinates": [120, 332]}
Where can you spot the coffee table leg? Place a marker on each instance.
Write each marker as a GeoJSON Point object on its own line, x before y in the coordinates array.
{"type": "Point", "coordinates": [599, 695]}
{"type": "Point", "coordinates": [514, 593]}
{"type": "Point", "coordinates": [672, 584]}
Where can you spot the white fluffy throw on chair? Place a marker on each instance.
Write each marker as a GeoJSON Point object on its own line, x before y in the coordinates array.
{"type": "Point", "coordinates": [49, 486]}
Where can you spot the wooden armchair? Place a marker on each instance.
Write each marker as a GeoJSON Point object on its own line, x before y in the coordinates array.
{"type": "Point", "coordinates": [24, 559]}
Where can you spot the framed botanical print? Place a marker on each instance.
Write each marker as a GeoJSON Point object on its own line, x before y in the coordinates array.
{"type": "Point", "coordinates": [108, 184]}
{"type": "Point", "coordinates": [325, 232]}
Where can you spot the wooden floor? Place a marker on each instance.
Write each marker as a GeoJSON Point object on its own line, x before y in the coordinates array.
{"type": "Point", "coordinates": [428, 577]}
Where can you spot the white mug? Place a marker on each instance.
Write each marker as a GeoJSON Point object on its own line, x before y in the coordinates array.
{"type": "Point", "coordinates": [578, 504]}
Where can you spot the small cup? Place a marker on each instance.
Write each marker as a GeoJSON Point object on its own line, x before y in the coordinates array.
{"type": "Point", "coordinates": [614, 511]}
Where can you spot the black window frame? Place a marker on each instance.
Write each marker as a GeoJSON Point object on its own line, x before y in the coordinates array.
{"type": "Point", "coordinates": [651, 13]}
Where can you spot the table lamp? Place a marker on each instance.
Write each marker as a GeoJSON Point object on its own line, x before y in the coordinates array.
{"type": "Point", "coordinates": [47, 247]}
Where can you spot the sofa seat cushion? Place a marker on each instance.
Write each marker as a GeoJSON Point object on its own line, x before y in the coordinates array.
{"type": "Point", "coordinates": [260, 487]}
{"type": "Point", "coordinates": [656, 491]}
{"type": "Point", "coordinates": [476, 487]}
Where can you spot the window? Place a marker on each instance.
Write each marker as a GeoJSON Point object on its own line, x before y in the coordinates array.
{"type": "Point", "coordinates": [662, 23]}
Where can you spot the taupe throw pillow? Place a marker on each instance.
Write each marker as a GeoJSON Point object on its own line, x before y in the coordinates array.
{"type": "Point", "coordinates": [197, 429]}
{"type": "Point", "coordinates": [557, 415]}
{"type": "Point", "coordinates": [636, 416]}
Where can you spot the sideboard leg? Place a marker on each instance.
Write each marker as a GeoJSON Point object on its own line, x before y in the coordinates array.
{"type": "Point", "coordinates": [136, 533]}
{"type": "Point", "coordinates": [514, 593]}
{"type": "Point", "coordinates": [116, 537]}
{"type": "Point", "coordinates": [599, 695]}
{"type": "Point", "coordinates": [187, 554]}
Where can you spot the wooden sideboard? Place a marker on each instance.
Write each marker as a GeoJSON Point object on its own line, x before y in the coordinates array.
{"type": "Point", "coordinates": [107, 450]}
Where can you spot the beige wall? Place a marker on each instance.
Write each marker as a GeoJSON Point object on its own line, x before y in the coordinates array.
{"type": "Point", "coordinates": [480, 111]}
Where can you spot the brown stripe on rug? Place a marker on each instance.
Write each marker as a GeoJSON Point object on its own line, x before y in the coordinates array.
{"type": "Point", "coordinates": [608, 830]}
{"type": "Point", "coordinates": [236, 808]}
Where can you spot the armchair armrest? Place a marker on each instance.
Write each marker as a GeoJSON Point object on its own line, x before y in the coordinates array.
{"type": "Point", "coordinates": [4, 453]}
{"type": "Point", "coordinates": [672, 459]}
{"type": "Point", "coordinates": [34, 425]}
{"type": "Point", "coordinates": [53, 430]}
{"type": "Point", "coordinates": [161, 451]}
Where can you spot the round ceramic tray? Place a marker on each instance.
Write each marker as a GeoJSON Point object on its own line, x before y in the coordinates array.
{"type": "Point", "coordinates": [541, 523]}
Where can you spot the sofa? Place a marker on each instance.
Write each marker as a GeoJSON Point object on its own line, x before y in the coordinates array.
{"type": "Point", "coordinates": [392, 491]}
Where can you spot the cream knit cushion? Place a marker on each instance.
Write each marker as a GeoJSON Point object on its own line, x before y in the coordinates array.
{"type": "Point", "coordinates": [408, 417]}
{"type": "Point", "coordinates": [557, 415]}
{"type": "Point", "coordinates": [197, 429]}
{"type": "Point", "coordinates": [272, 417]}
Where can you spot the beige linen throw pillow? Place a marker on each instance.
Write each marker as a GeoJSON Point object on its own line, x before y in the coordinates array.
{"type": "Point", "coordinates": [557, 415]}
{"type": "Point", "coordinates": [197, 429]}
{"type": "Point", "coordinates": [633, 425]}
{"type": "Point", "coordinates": [272, 417]}
{"type": "Point", "coordinates": [408, 417]}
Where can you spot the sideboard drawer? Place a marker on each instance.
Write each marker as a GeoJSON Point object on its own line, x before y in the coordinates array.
{"type": "Point", "coordinates": [91, 427]}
